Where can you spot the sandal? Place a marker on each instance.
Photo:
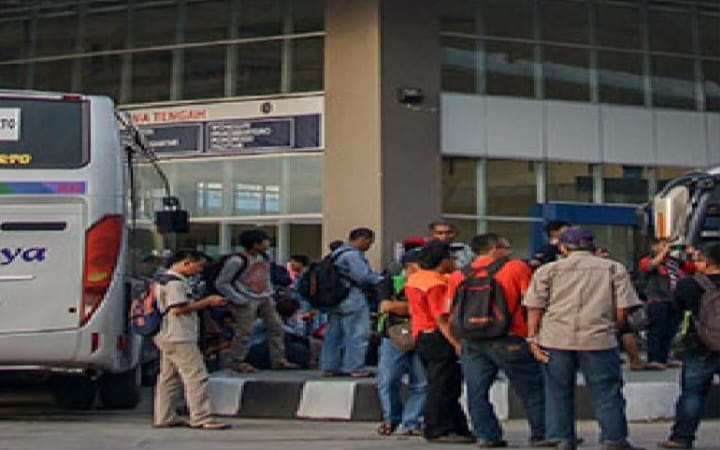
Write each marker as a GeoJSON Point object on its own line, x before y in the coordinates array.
{"type": "Point", "coordinates": [413, 432]}
{"type": "Point", "coordinates": [171, 424]}
{"type": "Point", "coordinates": [244, 368]}
{"type": "Point", "coordinates": [387, 428]}
{"type": "Point", "coordinates": [212, 426]}
{"type": "Point", "coordinates": [362, 374]}
{"type": "Point", "coordinates": [284, 364]}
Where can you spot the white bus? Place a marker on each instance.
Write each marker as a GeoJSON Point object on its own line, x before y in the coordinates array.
{"type": "Point", "coordinates": [64, 208]}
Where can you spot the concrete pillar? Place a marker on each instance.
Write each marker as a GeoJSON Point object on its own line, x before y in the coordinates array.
{"type": "Point", "coordinates": [382, 157]}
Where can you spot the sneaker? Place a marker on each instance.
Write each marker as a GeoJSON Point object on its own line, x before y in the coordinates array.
{"type": "Point", "coordinates": [621, 446]}
{"type": "Point", "coordinates": [493, 444]}
{"type": "Point", "coordinates": [452, 438]}
{"type": "Point", "coordinates": [674, 444]}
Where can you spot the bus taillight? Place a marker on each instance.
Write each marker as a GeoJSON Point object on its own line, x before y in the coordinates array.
{"type": "Point", "coordinates": [102, 249]}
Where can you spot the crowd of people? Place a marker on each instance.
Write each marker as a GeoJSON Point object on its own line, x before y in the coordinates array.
{"type": "Point", "coordinates": [565, 309]}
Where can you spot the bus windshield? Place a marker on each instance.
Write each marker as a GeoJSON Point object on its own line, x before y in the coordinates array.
{"type": "Point", "coordinates": [43, 133]}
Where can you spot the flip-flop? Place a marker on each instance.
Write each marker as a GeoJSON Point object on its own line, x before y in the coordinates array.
{"type": "Point", "coordinates": [212, 426]}
{"type": "Point", "coordinates": [171, 424]}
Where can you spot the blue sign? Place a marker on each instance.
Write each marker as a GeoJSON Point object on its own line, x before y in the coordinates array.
{"type": "Point", "coordinates": [253, 134]}
{"type": "Point", "coordinates": [176, 138]}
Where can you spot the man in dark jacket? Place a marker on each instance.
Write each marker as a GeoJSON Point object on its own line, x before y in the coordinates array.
{"type": "Point", "coordinates": [700, 364]}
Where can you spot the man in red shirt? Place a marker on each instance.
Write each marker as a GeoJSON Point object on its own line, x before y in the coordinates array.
{"type": "Point", "coordinates": [482, 359]}
{"type": "Point", "coordinates": [426, 291]}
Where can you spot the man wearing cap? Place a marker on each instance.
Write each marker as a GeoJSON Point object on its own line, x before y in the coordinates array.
{"type": "Point", "coordinates": [398, 360]}
{"type": "Point", "coordinates": [575, 307]}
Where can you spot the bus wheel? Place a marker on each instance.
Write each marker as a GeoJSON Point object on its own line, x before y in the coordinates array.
{"type": "Point", "coordinates": [73, 392]}
{"type": "Point", "coordinates": [120, 390]}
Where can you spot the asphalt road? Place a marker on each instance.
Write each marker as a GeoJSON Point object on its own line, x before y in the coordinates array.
{"type": "Point", "coordinates": [37, 425]}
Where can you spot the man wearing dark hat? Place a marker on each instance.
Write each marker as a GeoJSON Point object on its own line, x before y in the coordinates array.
{"type": "Point", "coordinates": [575, 307]}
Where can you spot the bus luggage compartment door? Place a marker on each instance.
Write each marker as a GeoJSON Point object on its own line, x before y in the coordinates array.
{"type": "Point", "coordinates": [41, 266]}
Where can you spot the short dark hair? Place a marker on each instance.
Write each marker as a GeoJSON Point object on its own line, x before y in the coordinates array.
{"type": "Point", "coordinates": [436, 223]}
{"type": "Point", "coordinates": [711, 252]}
{"type": "Point", "coordinates": [360, 233]}
{"type": "Point", "coordinates": [483, 243]}
{"type": "Point", "coordinates": [302, 259]}
{"type": "Point", "coordinates": [187, 253]}
{"type": "Point", "coordinates": [555, 225]}
{"type": "Point", "coordinates": [433, 254]}
{"type": "Point", "coordinates": [251, 237]}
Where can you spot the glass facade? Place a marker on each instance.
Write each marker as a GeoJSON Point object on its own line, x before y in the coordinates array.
{"type": "Point", "coordinates": [655, 53]}
{"type": "Point", "coordinates": [170, 50]}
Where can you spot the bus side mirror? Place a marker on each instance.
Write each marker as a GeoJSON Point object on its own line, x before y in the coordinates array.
{"type": "Point", "coordinates": [175, 221]}
{"type": "Point", "coordinates": [171, 219]}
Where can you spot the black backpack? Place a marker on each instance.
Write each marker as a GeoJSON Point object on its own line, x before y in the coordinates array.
{"type": "Point", "coordinates": [480, 310]}
{"type": "Point", "coordinates": [322, 283]}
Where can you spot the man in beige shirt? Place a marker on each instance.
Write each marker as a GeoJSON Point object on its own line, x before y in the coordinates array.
{"type": "Point", "coordinates": [575, 307]}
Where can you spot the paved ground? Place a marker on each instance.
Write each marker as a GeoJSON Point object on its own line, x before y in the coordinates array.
{"type": "Point", "coordinates": [31, 423]}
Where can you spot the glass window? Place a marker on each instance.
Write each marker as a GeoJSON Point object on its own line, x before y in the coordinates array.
{"type": "Point", "coordinates": [204, 74]}
{"type": "Point", "coordinates": [56, 35]}
{"type": "Point", "coordinates": [510, 69]}
{"type": "Point", "coordinates": [566, 73]}
{"type": "Point", "coordinates": [466, 229]}
{"type": "Point", "coordinates": [619, 26]}
{"type": "Point", "coordinates": [14, 39]}
{"type": "Point", "coordinates": [306, 240]}
{"type": "Point", "coordinates": [565, 21]}
{"type": "Point", "coordinates": [308, 15]}
{"type": "Point", "coordinates": [304, 194]}
{"type": "Point", "coordinates": [101, 75]}
{"type": "Point", "coordinates": [105, 31]}
{"type": "Point", "coordinates": [54, 75]}
{"type": "Point", "coordinates": [517, 233]}
{"type": "Point", "coordinates": [618, 239]}
{"type": "Point", "coordinates": [459, 178]}
{"type": "Point", "coordinates": [207, 20]}
{"type": "Point", "coordinates": [258, 68]}
{"type": "Point", "coordinates": [248, 185]}
{"type": "Point", "coordinates": [621, 77]}
{"type": "Point", "coordinates": [625, 184]}
{"type": "Point", "coordinates": [151, 76]}
{"type": "Point", "coordinates": [511, 187]}
{"type": "Point", "coordinates": [670, 31]}
{"type": "Point", "coordinates": [569, 182]}
{"type": "Point", "coordinates": [497, 21]}
{"type": "Point", "coordinates": [201, 236]}
{"type": "Point", "coordinates": [260, 18]}
{"type": "Point", "coordinates": [710, 35]}
{"type": "Point", "coordinates": [711, 75]}
{"type": "Point", "coordinates": [673, 82]}
{"type": "Point", "coordinates": [459, 60]}
{"type": "Point", "coordinates": [12, 76]}
{"type": "Point", "coordinates": [154, 26]}
{"type": "Point", "coordinates": [458, 16]}
{"type": "Point", "coordinates": [307, 64]}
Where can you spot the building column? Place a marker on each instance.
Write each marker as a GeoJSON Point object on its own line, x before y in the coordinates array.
{"type": "Point", "coordinates": [382, 154]}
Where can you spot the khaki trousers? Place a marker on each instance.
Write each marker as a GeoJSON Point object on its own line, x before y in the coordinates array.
{"type": "Point", "coordinates": [245, 316]}
{"type": "Point", "coordinates": [181, 367]}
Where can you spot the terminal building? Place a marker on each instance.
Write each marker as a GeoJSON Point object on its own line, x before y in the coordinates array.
{"type": "Point", "coordinates": [309, 117]}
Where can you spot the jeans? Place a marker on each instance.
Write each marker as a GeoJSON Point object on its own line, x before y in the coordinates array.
{"type": "Point", "coordinates": [662, 326]}
{"type": "Point", "coordinates": [601, 369]}
{"type": "Point", "coordinates": [697, 375]}
{"type": "Point", "coordinates": [481, 361]}
{"type": "Point", "coordinates": [443, 414]}
{"type": "Point", "coordinates": [346, 341]}
{"type": "Point", "coordinates": [394, 363]}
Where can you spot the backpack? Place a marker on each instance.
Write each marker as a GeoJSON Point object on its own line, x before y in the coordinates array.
{"type": "Point", "coordinates": [212, 270]}
{"type": "Point", "coordinates": [322, 283]}
{"type": "Point", "coordinates": [707, 323]}
{"type": "Point", "coordinates": [479, 309]}
{"type": "Point", "coordinates": [145, 316]}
